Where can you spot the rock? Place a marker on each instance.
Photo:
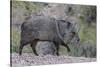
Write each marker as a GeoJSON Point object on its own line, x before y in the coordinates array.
{"type": "Point", "coordinates": [87, 49]}
{"type": "Point", "coordinates": [45, 47]}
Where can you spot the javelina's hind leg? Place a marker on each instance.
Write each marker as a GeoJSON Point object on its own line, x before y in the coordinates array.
{"type": "Point", "coordinates": [20, 49]}
{"type": "Point", "coordinates": [33, 45]}
{"type": "Point", "coordinates": [22, 44]}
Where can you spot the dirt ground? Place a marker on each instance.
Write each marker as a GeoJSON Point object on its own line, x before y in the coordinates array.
{"type": "Point", "coordinates": [28, 59]}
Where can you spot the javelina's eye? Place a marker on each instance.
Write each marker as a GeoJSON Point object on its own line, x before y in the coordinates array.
{"type": "Point", "coordinates": [68, 24]}
{"type": "Point", "coordinates": [72, 34]}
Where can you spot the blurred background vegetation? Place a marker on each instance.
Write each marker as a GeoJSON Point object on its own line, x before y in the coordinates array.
{"type": "Point", "coordinates": [85, 14]}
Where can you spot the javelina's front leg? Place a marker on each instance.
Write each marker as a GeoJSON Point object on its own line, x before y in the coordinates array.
{"type": "Point", "coordinates": [65, 45]}
{"type": "Point", "coordinates": [33, 46]}
{"type": "Point", "coordinates": [57, 48]}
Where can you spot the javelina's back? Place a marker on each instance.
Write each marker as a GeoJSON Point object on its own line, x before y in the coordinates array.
{"type": "Point", "coordinates": [40, 28]}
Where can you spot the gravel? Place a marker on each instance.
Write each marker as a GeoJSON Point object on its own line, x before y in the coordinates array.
{"type": "Point", "coordinates": [29, 59]}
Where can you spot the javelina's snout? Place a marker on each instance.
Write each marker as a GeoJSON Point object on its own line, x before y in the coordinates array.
{"type": "Point", "coordinates": [78, 40]}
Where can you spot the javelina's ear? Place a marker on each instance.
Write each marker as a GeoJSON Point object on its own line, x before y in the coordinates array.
{"type": "Point", "coordinates": [68, 24]}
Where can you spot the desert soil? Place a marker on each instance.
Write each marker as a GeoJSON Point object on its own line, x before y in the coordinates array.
{"type": "Point", "coordinates": [29, 59]}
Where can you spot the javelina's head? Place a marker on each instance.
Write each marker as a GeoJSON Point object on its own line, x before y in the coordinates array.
{"type": "Point", "coordinates": [69, 32]}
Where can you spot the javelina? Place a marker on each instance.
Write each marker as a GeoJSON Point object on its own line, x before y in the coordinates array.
{"type": "Point", "coordinates": [42, 28]}
{"type": "Point", "coordinates": [45, 48]}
